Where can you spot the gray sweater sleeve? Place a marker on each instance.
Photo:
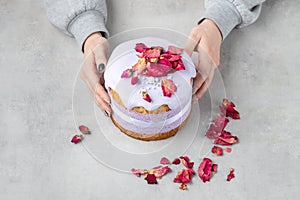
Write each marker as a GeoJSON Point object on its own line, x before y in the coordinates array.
{"type": "Point", "coordinates": [78, 18]}
{"type": "Point", "coordinates": [230, 14]}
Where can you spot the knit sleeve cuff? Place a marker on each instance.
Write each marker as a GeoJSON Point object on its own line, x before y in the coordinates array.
{"type": "Point", "coordinates": [87, 23]}
{"type": "Point", "coordinates": [224, 14]}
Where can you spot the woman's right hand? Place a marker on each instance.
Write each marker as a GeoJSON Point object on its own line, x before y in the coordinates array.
{"type": "Point", "coordinates": [95, 59]}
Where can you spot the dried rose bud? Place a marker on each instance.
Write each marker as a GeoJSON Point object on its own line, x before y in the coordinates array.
{"type": "Point", "coordinates": [134, 80]}
{"type": "Point", "coordinates": [146, 96]}
{"type": "Point", "coordinates": [83, 129]}
{"type": "Point", "coordinates": [183, 186]}
{"type": "Point", "coordinates": [76, 139]}
{"type": "Point", "coordinates": [176, 161]}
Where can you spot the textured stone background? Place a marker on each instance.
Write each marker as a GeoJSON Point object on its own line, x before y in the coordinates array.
{"type": "Point", "coordinates": [38, 65]}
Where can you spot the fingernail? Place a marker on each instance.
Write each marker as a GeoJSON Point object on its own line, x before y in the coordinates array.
{"type": "Point", "coordinates": [100, 67]}
{"type": "Point", "coordinates": [107, 101]}
{"type": "Point", "coordinates": [106, 113]}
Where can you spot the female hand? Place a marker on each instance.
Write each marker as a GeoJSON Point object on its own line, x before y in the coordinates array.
{"type": "Point", "coordinates": [206, 39]}
{"type": "Point", "coordinates": [95, 59]}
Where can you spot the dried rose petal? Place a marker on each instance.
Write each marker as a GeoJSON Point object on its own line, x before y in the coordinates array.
{"type": "Point", "coordinates": [186, 162]}
{"type": "Point", "coordinates": [178, 65]}
{"type": "Point", "coordinates": [214, 168]}
{"type": "Point", "coordinates": [215, 129]}
{"type": "Point", "coordinates": [184, 176]}
{"type": "Point", "coordinates": [183, 186]}
{"type": "Point", "coordinates": [228, 149]}
{"type": "Point", "coordinates": [76, 139]}
{"type": "Point", "coordinates": [217, 150]}
{"type": "Point", "coordinates": [227, 108]}
{"type": "Point", "coordinates": [140, 47]}
{"type": "Point", "coordinates": [206, 169]}
{"type": "Point", "coordinates": [151, 179]}
{"type": "Point", "coordinates": [174, 57]}
{"type": "Point", "coordinates": [176, 161]}
{"type": "Point", "coordinates": [230, 175]}
{"type": "Point", "coordinates": [164, 161]}
{"type": "Point", "coordinates": [159, 171]}
{"type": "Point", "coordinates": [126, 73]}
{"type": "Point", "coordinates": [168, 87]}
{"type": "Point", "coordinates": [156, 70]}
{"type": "Point", "coordinates": [134, 80]}
{"type": "Point", "coordinates": [152, 53]}
{"type": "Point", "coordinates": [174, 50]}
{"type": "Point", "coordinates": [225, 138]}
{"type": "Point", "coordinates": [146, 96]}
{"type": "Point", "coordinates": [139, 172]}
{"type": "Point", "coordinates": [83, 129]}
{"type": "Point", "coordinates": [140, 66]}
{"type": "Point", "coordinates": [165, 61]}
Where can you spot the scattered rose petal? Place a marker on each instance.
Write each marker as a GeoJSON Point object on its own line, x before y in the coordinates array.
{"type": "Point", "coordinates": [206, 169]}
{"type": "Point", "coordinates": [174, 50]}
{"type": "Point", "coordinates": [184, 176]}
{"type": "Point", "coordinates": [151, 179]}
{"type": "Point", "coordinates": [227, 108]}
{"type": "Point", "coordinates": [152, 53]}
{"type": "Point", "coordinates": [140, 47]}
{"type": "Point", "coordinates": [164, 161]}
{"type": "Point", "coordinates": [126, 73]}
{"type": "Point", "coordinates": [168, 87]}
{"type": "Point", "coordinates": [134, 80]}
{"type": "Point", "coordinates": [186, 162]}
{"type": "Point", "coordinates": [76, 139]}
{"type": "Point", "coordinates": [146, 96]}
{"type": "Point", "coordinates": [183, 186]}
{"type": "Point", "coordinates": [214, 168]}
{"type": "Point", "coordinates": [226, 139]}
{"type": "Point", "coordinates": [83, 129]}
{"type": "Point", "coordinates": [159, 171]}
{"type": "Point", "coordinates": [176, 161]}
{"type": "Point", "coordinates": [228, 149]}
{"type": "Point", "coordinates": [217, 150]}
{"type": "Point", "coordinates": [230, 175]}
{"type": "Point", "coordinates": [215, 129]}
{"type": "Point", "coordinates": [139, 172]}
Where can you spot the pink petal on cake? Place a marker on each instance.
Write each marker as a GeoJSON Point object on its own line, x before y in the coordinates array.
{"type": "Point", "coordinates": [140, 65]}
{"type": "Point", "coordinates": [134, 80]}
{"type": "Point", "coordinates": [168, 87]}
{"type": "Point", "coordinates": [166, 62]}
{"type": "Point", "coordinates": [84, 129]}
{"type": "Point", "coordinates": [217, 150]}
{"type": "Point", "coordinates": [151, 179]}
{"type": "Point", "coordinates": [156, 70]}
{"type": "Point", "coordinates": [140, 47]}
{"type": "Point", "coordinates": [178, 65]}
{"type": "Point", "coordinates": [164, 161]}
{"type": "Point", "coordinates": [174, 57]}
{"type": "Point", "coordinates": [146, 96]}
{"type": "Point", "coordinates": [139, 172]}
{"type": "Point", "coordinates": [152, 53]}
{"type": "Point", "coordinates": [174, 50]}
{"type": "Point", "coordinates": [76, 139]}
{"type": "Point", "coordinates": [126, 73]}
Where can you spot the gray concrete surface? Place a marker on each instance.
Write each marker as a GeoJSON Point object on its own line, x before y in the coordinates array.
{"type": "Point", "coordinates": [38, 65]}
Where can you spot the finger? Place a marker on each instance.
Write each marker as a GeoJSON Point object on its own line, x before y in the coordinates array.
{"type": "Point", "coordinates": [89, 73]}
{"type": "Point", "coordinates": [198, 81]}
{"type": "Point", "coordinates": [203, 88]}
{"type": "Point", "coordinates": [102, 105]}
{"type": "Point", "coordinates": [100, 54]}
{"type": "Point", "coordinates": [105, 100]}
{"type": "Point", "coordinates": [192, 41]}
